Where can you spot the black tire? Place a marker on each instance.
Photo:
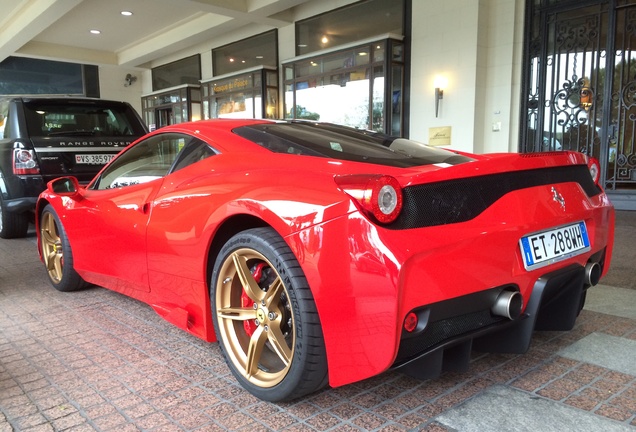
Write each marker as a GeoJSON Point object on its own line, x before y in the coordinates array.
{"type": "Point", "coordinates": [282, 356]}
{"type": "Point", "coordinates": [57, 254]}
{"type": "Point", "coordinates": [12, 225]}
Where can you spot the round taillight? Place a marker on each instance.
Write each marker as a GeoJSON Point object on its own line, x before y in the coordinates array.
{"type": "Point", "coordinates": [595, 169]}
{"type": "Point", "coordinates": [24, 156]}
{"type": "Point", "coordinates": [378, 196]}
{"type": "Point", "coordinates": [386, 199]}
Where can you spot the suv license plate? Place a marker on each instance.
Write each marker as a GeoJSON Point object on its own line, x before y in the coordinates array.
{"type": "Point", "coordinates": [547, 247]}
{"type": "Point", "coordinates": [94, 159]}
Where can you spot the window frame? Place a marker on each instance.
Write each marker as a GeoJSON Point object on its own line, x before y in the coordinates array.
{"type": "Point", "coordinates": [132, 161]}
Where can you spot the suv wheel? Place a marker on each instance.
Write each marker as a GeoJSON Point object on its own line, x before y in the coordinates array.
{"type": "Point", "coordinates": [12, 225]}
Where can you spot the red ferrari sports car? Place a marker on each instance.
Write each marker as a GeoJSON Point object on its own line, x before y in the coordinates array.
{"type": "Point", "coordinates": [319, 254]}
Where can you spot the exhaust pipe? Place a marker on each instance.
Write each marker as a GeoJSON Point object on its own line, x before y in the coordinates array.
{"type": "Point", "coordinates": [508, 304]}
{"type": "Point", "coordinates": [592, 273]}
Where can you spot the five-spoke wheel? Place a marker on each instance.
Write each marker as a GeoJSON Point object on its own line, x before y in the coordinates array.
{"type": "Point", "coordinates": [51, 247]}
{"type": "Point", "coordinates": [56, 253]}
{"type": "Point", "coordinates": [260, 301]}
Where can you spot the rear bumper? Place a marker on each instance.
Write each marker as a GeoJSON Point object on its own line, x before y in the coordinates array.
{"type": "Point", "coordinates": [555, 302]}
{"type": "Point", "coordinates": [21, 192]}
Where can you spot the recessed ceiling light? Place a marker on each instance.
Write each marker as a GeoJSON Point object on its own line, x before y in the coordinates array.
{"type": "Point", "coordinates": [95, 32]}
{"type": "Point", "coordinates": [259, 56]}
{"type": "Point", "coordinates": [126, 13]}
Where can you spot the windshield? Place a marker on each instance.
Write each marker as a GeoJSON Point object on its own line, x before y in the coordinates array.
{"type": "Point", "coordinates": [50, 119]}
{"type": "Point", "coordinates": [344, 143]}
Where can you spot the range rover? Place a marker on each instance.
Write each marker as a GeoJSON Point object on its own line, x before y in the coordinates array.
{"type": "Point", "coordinates": [42, 138]}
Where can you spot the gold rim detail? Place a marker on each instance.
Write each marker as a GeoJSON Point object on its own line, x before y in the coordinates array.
{"type": "Point", "coordinates": [255, 317]}
{"type": "Point", "coordinates": [51, 247]}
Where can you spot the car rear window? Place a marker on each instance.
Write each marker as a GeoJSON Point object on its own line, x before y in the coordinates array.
{"type": "Point", "coordinates": [50, 119]}
{"type": "Point", "coordinates": [344, 143]}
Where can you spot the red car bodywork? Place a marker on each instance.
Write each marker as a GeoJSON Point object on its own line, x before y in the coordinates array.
{"type": "Point", "coordinates": [154, 241]}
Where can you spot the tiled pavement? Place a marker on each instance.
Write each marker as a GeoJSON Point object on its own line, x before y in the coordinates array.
{"type": "Point", "coordinates": [96, 360]}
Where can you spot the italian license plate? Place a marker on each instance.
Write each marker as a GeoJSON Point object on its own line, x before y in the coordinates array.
{"type": "Point", "coordinates": [547, 247]}
{"type": "Point", "coordinates": [94, 159]}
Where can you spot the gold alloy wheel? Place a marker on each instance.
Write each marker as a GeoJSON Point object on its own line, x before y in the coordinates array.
{"type": "Point", "coordinates": [255, 319]}
{"type": "Point", "coordinates": [51, 247]}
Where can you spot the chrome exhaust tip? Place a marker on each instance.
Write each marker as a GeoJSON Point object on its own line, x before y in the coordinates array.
{"type": "Point", "coordinates": [508, 304]}
{"type": "Point", "coordinates": [592, 273]}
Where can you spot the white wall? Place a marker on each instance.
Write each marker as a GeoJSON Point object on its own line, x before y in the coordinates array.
{"type": "Point", "coordinates": [473, 45]}
{"type": "Point", "coordinates": [111, 85]}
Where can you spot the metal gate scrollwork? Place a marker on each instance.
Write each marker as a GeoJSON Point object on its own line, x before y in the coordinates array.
{"type": "Point", "coordinates": [580, 84]}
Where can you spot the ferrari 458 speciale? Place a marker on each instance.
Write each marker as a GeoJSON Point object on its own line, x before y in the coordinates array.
{"type": "Point", "coordinates": [319, 254]}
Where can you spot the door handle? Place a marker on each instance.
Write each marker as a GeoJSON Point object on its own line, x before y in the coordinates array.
{"type": "Point", "coordinates": [145, 208]}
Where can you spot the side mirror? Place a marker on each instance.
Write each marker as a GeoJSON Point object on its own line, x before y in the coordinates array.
{"type": "Point", "coordinates": [64, 186]}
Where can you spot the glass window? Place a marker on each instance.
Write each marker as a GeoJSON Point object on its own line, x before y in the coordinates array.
{"type": "Point", "coordinates": [48, 118]}
{"type": "Point", "coordinates": [184, 71]}
{"type": "Point", "coordinates": [344, 87]}
{"type": "Point", "coordinates": [146, 161]}
{"type": "Point", "coordinates": [246, 95]}
{"type": "Point", "coordinates": [360, 87]}
{"type": "Point", "coordinates": [21, 75]}
{"type": "Point", "coordinates": [334, 28]}
{"type": "Point", "coordinates": [195, 151]}
{"type": "Point", "coordinates": [342, 143]}
{"type": "Point", "coordinates": [260, 50]}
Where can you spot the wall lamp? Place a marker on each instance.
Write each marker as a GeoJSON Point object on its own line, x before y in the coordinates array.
{"type": "Point", "coordinates": [440, 84]}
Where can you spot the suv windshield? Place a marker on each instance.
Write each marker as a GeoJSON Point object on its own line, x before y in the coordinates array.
{"type": "Point", "coordinates": [344, 143]}
{"type": "Point", "coordinates": [48, 119]}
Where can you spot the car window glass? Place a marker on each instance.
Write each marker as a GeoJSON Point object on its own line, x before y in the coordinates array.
{"type": "Point", "coordinates": [343, 143]}
{"type": "Point", "coordinates": [48, 119]}
{"type": "Point", "coordinates": [148, 160]}
{"type": "Point", "coordinates": [195, 151]}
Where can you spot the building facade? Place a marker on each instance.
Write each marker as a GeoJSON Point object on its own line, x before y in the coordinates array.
{"type": "Point", "coordinates": [484, 75]}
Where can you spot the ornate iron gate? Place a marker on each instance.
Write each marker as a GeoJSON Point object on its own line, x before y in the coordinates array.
{"type": "Point", "coordinates": [580, 84]}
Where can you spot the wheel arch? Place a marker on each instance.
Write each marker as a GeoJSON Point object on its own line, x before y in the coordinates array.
{"type": "Point", "coordinates": [39, 208]}
{"type": "Point", "coordinates": [224, 232]}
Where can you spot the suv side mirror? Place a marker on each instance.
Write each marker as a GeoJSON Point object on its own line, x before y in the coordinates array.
{"type": "Point", "coordinates": [64, 186]}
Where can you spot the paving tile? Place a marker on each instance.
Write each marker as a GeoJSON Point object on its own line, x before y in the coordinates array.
{"type": "Point", "coordinates": [480, 414]}
{"type": "Point", "coordinates": [96, 360]}
{"type": "Point", "coordinates": [602, 349]}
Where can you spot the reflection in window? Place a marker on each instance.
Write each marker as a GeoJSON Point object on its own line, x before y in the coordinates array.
{"type": "Point", "coordinates": [147, 161]}
{"type": "Point", "coordinates": [184, 71]}
{"type": "Point", "coordinates": [348, 88]}
{"type": "Point", "coordinates": [241, 95]}
{"type": "Point", "coordinates": [21, 75]}
{"type": "Point", "coordinates": [334, 28]}
{"type": "Point", "coordinates": [259, 50]}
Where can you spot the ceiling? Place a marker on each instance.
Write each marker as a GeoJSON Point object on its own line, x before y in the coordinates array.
{"type": "Point", "coordinates": [60, 29]}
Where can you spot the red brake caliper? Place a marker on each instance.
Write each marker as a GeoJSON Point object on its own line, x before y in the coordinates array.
{"type": "Point", "coordinates": [249, 325]}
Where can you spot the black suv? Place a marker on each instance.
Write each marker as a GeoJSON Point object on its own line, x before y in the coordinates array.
{"type": "Point", "coordinates": [44, 138]}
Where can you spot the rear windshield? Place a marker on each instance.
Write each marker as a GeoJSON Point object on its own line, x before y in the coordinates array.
{"type": "Point", "coordinates": [344, 143]}
{"type": "Point", "coordinates": [50, 119]}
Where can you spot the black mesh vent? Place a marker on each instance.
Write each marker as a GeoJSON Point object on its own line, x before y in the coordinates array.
{"type": "Point", "coordinates": [460, 200]}
{"type": "Point", "coordinates": [440, 331]}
